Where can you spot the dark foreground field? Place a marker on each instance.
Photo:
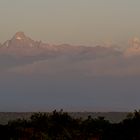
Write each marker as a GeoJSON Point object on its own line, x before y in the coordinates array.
{"type": "Point", "coordinates": [62, 126]}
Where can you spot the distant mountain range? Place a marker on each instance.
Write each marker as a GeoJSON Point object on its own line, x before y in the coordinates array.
{"type": "Point", "coordinates": [23, 53]}
{"type": "Point", "coordinates": [22, 45]}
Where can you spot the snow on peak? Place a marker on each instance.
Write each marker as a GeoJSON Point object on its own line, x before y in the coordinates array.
{"type": "Point", "coordinates": [19, 38]}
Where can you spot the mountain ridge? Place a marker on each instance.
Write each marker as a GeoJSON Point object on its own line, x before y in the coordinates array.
{"type": "Point", "coordinates": [24, 45]}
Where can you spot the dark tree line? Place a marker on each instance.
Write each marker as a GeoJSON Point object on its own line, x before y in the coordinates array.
{"type": "Point", "coordinates": [61, 126]}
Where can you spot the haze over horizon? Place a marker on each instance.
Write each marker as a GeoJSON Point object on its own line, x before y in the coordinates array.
{"type": "Point", "coordinates": [87, 59]}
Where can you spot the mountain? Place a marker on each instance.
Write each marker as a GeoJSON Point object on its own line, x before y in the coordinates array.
{"type": "Point", "coordinates": [134, 49]}
{"type": "Point", "coordinates": [22, 45]}
{"type": "Point", "coordinates": [20, 40]}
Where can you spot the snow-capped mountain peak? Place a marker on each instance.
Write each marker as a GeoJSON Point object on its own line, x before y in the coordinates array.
{"type": "Point", "coordinates": [20, 40]}
{"type": "Point", "coordinates": [19, 36]}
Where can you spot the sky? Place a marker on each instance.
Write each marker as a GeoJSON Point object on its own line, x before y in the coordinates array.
{"type": "Point", "coordinates": [71, 21]}
{"type": "Point", "coordinates": [75, 79]}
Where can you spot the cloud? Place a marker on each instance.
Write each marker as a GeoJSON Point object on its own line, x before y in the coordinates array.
{"type": "Point", "coordinates": [106, 66]}
{"type": "Point", "coordinates": [89, 79]}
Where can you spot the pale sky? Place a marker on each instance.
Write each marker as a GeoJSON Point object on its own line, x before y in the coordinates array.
{"type": "Point", "coordinates": [71, 21]}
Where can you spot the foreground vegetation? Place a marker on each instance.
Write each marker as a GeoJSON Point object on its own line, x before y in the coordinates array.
{"type": "Point", "coordinates": [61, 126]}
